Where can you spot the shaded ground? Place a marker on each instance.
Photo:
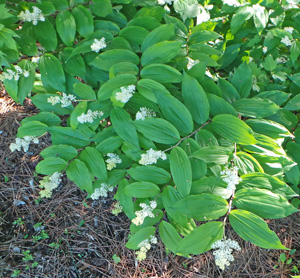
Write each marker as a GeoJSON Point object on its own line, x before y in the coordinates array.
{"type": "Point", "coordinates": [68, 236]}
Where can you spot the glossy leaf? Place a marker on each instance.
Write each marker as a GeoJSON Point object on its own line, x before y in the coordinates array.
{"type": "Point", "coordinates": [50, 165]}
{"type": "Point", "coordinates": [151, 174]}
{"type": "Point", "coordinates": [141, 189]}
{"type": "Point", "coordinates": [66, 27]}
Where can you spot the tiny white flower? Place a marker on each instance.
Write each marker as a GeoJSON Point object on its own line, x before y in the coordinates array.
{"type": "Point", "coordinates": [286, 41]}
{"type": "Point", "coordinates": [89, 117]}
{"type": "Point", "coordinates": [23, 143]}
{"type": "Point", "coordinates": [233, 3]}
{"type": "Point", "coordinates": [191, 63]}
{"type": "Point", "coordinates": [117, 208]}
{"type": "Point", "coordinates": [49, 183]}
{"type": "Point", "coordinates": [112, 161]}
{"type": "Point", "coordinates": [151, 157]}
{"type": "Point", "coordinates": [144, 113]}
{"type": "Point", "coordinates": [102, 191]}
{"type": "Point", "coordinates": [144, 246]}
{"type": "Point", "coordinates": [33, 17]}
{"type": "Point", "coordinates": [53, 100]}
{"type": "Point", "coordinates": [125, 94]}
{"type": "Point", "coordinates": [98, 45]}
{"type": "Point", "coordinates": [26, 73]}
{"type": "Point", "coordinates": [66, 100]}
{"type": "Point", "coordinates": [147, 211]}
{"type": "Point", "coordinates": [230, 176]}
{"type": "Point", "coordinates": [289, 29]}
{"type": "Point", "coordinates": [265, 49]}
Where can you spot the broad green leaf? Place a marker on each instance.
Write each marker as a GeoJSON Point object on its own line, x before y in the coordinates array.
{"type": "Point", "coordinates": [123, 125]}
{"type": "Point", "coordinates": [161, 33]}
{"type": "Point", "coordinates": [260, 18]}
{"type": "Point", "coordinates": [219, 106]}
{"type": "Point", "coordinates": [68, 136]}
{"type": "Point", "coordinates": [11, 86]}
{"type": "Point", "coordinates": [32, 128]}
{"type": "Point", "coordinates": [80, 175]}
{"type": "Point", "coordinates": [50, 119]}
{"type": "Point", "coordinates": [210, 86]}
{"type": "Point", "coordinates": [66, 27]}
{"type": "Point", "coordinates": [84, 21]}
{"type": "Point", "coordinates": [240, 17]}
{"type": "Point", "coordinates": [295, 51]}
{"type": "Point", "coordinates": [255, 107]}
{"type": "Point", "coordinates": [286, 118]}
{"type": "Point", "coordinates": [158, 130]}
{"type": "Point", "coordinates": [134, 34]}
{"type": "Point", "coordinates": [278, 97]}
{"type": "Point", "coordinates": [295, 78]}
{"type": "Point", "coordinates": [147, 22]}
{"type": "Point", "coordinates": [141, 189]}
{"type": "Point", "coordinates": [263, 203]}
{"type": "Point", "coordinates": [162, 52]}
{"type": "Point", "coordinates": [27, 44]}
{"type": "Point", "coordinates": [229, 92]}
{"type": "Point", "coordinates": [169, 236]}
{"type": "Point", "coordinates": [140, 236]}
{"type": "Point", "coordinates": [251, 227]}
{"type": "Point", "coordinates": [46, 34]}
{"type": "Point", "coordinates": [122, 68]}
{"type": "Point", "coordinates": [270, 64]}
{"type": "Point", "coordinates": [84, 91]}
{"type": "Point", "coordinates": [208, 233]}
{"type": "Point", "coordinates": [101, 8]}
{"type": "Point", "coordinates": [233, 129]}
{"type": "Point", "coordinates": [247, 163]}
{"type": "Point", "coordinates": [202, 207]}
{"type": "Point", "coordinates": [25, 86]}
{"type": "Point", "coordinates": [109, 58]}
{"type": "Point", "coordinates": [52, 71]}
{"type": "Point", "coordinates": [206, 138]}
{"type": "Point", "coordinates": [293, 150]}
{"type": "Point", "coordinates": [242, 80]}
{"type": "Point", "coordinates": [59, 151]}
{"type": "Point", "coordinates": [78, 111]}
{"type": "Point", "coordinates": [109, 145]}
{"type": "Point", "coordinates": [181, 171]}
{"type": "Point", "coordinates": [293, 104]}
{"type": "Point", "coordinates": [125, 201]}
{"type": "Point", "coordinates": [148, 88]}
{"type": "Point", "coordinates": [131, 151]}
{"type": "Point", "coordinates": [94, 162]}
{"type": "Point", "coordinates": [74, 65]}
{"type": "Point", "coordinates": [151, 174]}
{"type": "Point", "coordinates": [175, 112]}
{"type": "Point", "coordinates": [195, 99]}
{"type": "Point", "coordinates": [212, 154]}
{"type": "Point", "coordinates": [269, 128]}
{"type": "Point", "coordinates": [161, 73]}
{"type": "Point", "coordinates": [203, 36]}
{"type": "Point", "coordinates": [50, 165]}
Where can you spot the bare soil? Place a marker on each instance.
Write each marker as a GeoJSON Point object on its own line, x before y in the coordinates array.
{"type": "Point", "coordinates": [79, 237]}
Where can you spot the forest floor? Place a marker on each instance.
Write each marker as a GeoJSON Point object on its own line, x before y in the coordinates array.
{"type": "Point", "coordinates": [70, 236]}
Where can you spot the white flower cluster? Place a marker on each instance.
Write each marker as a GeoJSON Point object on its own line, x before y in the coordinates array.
{"type": "Point", "coordinates": [89, 117]}
{"type": "Point", "coordinates": [33, 17]}
{"type": "Point", "coordinates": [65, 100]}
{"type": "Point", "coordinates": [117, 208]}
{"type": "Point", "coordinates": [233, 3]}
{"type": "Point", "coordinates": [289, 29]}
{"type": "Point", "coordinates": [23, 143]}
{"type": "Point", "coordinates": [102, 191]}
{"type": "Point", "coordinates": [49, 183]}
{"type": "Point", "coordinates": [230, 176]}
{"type": "Point", "coordinates": [15, 75]}
{"type": "Point", "coordinates": [144, 113]}
{"type": "Point", "coordinates": [144, 246]}
{"type": "Point", "coordinates": [223, 255]}
{"type": "Point", "coordinates": [112, 161]}
{"type": "Point", "coordinates": [97, 45]}
{"type": "Point", "coordinates": [191, 63]}
{"type": "Point", "coordinates": [163, 2]}
{"type": "Point", "coordinates": [286, 41]}
{"type": "Point", "coordinates": [147, 210]}
{"type": "Point", "coordinates": [125, 94]}
{"type": "Point", "coordinates": [265, 49]}
{"type": "Point", "coordinates": [151, 157]}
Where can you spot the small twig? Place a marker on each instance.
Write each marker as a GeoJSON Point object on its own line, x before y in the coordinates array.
{"type": "Point", "coordinates": [188, 136]}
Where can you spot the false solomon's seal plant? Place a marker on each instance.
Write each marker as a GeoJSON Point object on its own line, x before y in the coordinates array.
{"type": "Point", "coordinates": [185, 111]}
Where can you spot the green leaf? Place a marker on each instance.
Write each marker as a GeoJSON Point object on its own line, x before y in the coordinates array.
{"type": "Point", "coordinates": [202, 207]}
{"type": "Point", "coordinates": [123, 125]}
{"type": "Point", "coordinates": [251, 227]}
{"type": "Point", "coordinates": [11, 86]}
{"type": "Point", "coordinates": [84, 21]}
{"type": "Point", "coordinates": [50, 119]}
{"type": "Point", "coordinates": [27, 44]}
{"type": "Point", "coordinates": [158, 130]}
{"type": "Point", "coordinates": [125, 201]}
{"type": "Point", "coordinates": [148, 221]}
{"type": "Point", "coordinates": [195, 99]}
{"type": "Point", "coordinates": [68, 136]}
{"type": "Point", "coordinates": [242, 80]}
{"type": "Point", "coordinates": [247, 163]}
{"type": "Point", "coordinates": [109, 145]}
{"type": "Point", "coordinates": [255, 107]}
{"type": "Point", "coordinates": [50, 165]}
{"type": "Point", "coordinates": [74, 65]}
{"type": "Point", "coordinates": [52, 71]}
{"type": "Point", "coordinates": [141, 189]}
{"type": "Point", "coordinates": [134, 34]}
{"type": "Point", "coordinates": [169, 236]}
{"type": "Point", "coordinates": [293, 104]}
{"type": "Point", "coordinates": [260, 18]}
{"type": "Point", "coordinates": [212, 154]}
{"type": "Point", "coordinates": [161, 73]}
{"type": "Point", "coordinates": [59, 151]}
{"type": "Point", "coordinates": [78, 111]}
{"type": "Point", "coordinates": [140, 236]}
{"type": "Point", "coordinates": [295, 51]}
{"type": "Point", "coordinates": [159, 34]}
{"type": "Point", "coordinates": [205, 138]}
{"type": "Point", "coordinates": [101, 8]}
{"type": "Point", "coordinates": [162, 52]}
{"type": "Point", "coordinates": [84, 91]}
{"type": "Point", "coordinates": [220, 106]}
{"type": "Point", "coordinates": [295, 78]}
{"type": "Point", "coordinates": [80, 175]}
{"type": "Point", "coordinates": [175, 112]}
{"type": "Point", "coordinates": [181, 171]}
{"type": "Point", "coordinates": [233, 129]}
{"type": "Point", "coordinates": [109, 58]}
{"type": "Point", "coordinates": [151, 174]}
{"type": "Point", "coordinates": [66, 27]}
{"type": "Point", "coordinates": [278, 97]}
{"type": "Point", "coordinates": [208, 233]}
{"type": "Point", "coordinates": [263, 203]}
{"type": "Point", "coordinates": [203, 36]}
{"type": "Point", "coordinates": [270, 64]}
{"type": "Point", "coordinates": [122, 68]}
{"type": "Point", "coordinates": [148, 88]}
{"type": "Point", "coordinates": [240, 17]}
{"type": "Point", "coordinates": [94, 162]}
{"type": "Point", "coordinates": [32, 128]}
{"type": "Point", "coordinates": [46, 34]}
{"type": "Point", "coordinates": [229, 92]}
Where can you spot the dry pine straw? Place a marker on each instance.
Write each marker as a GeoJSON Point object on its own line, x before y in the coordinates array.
{"type": "Point", "coordinates": [88, 234]}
